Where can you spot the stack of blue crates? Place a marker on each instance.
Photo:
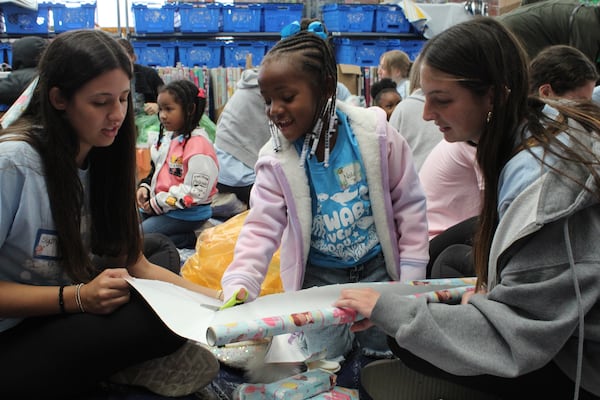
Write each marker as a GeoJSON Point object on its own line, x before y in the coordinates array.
{"type": "Point", "coordinates": [205, 18]}
{"type": "Point", "coordinates": [383, 18]}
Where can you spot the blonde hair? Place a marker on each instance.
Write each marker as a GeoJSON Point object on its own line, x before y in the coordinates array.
{"type": "Point", "coordinates": [396, 60]}
{"type": "Point", "coordinates": [414, 77]}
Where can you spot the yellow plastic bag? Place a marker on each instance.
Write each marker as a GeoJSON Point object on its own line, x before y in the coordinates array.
{"type": "Point", "coordinates": [214, 252]}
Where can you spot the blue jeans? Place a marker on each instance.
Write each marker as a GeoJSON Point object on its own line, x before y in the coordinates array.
{"type": "Point", "coordinates": [338, 340]}
{"type": "Point", "coordinates": [181, 232]}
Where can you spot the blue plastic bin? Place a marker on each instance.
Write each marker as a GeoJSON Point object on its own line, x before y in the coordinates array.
{"type": "Point", "coordinates": [365, 53]}
{"type": "Point", "coordinates": [19, 20]}
{"type": "Point", "coordinates": [242, 17]}
{"type": "Point", "coordinates": [203, 53]}
{"type": "Point", "coordinates": [154, 19]}
{"type": "Point", "coordinates": [348, 18]}
{"type": "Point", "coordinates": [70, 16]}
{"type": "Point", "coordinates": [269, 45]}
{"type": "Point", "coordinates": [410, 47]}
{"type": "Point", "coordinates": [390, 18]}
{"type": "Point", "coordinates": [235, 53]}
{"type": "Point", "coordinates": [201, 18]}
{"type": "Point", "coordinates": [155, 53]}
{"type": "Point", "coordinates": [278, 15]}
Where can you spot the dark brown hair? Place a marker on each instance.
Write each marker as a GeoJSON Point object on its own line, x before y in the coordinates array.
{"type": "Point", "coordinates": [70, 61]}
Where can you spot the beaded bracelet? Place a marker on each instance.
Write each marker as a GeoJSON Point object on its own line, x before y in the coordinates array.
{"type": "Point", "coordinates": [61, 299]}
{"type": "Point", "coordinates": [78, 297]}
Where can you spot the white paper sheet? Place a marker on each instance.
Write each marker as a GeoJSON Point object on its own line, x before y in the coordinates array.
{"type": "Point", "coordinates": [185, 312]}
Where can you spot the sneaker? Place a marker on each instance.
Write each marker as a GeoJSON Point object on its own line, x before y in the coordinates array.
{"type": "Point", "coordinates": [184, 372]}
{"type": "Point", "coordinates": [391, 379]}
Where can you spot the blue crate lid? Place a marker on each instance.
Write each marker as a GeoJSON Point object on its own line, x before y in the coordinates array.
{"type": "Point", "coordinates": [151, 19]}
{"type": "Point", "coordinates": [68, 16]}
{"type": "Point", "coordinates": [203, 17]}
{"type": "Point", "coordinates": [202, 53]}
{"type": "Point", "coordinates": [278, 15]}
{"type": "Point", "coordinates": [19, 20]}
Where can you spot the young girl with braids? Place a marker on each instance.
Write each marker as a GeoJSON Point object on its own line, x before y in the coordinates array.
{"type": "Point", "coordinates": [175, 197]}
{"type": "Point", "coordinates": [335, 187]}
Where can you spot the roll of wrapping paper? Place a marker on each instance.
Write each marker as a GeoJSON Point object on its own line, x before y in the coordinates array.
{"type": "Point", "coordinates": [260, 328]}
{"type": "Point", "coordinates": [218, 335]}
{"type": "Point", "coordinates": [302, 386]}
{"type": "Point", "coordinates": [338, 393]}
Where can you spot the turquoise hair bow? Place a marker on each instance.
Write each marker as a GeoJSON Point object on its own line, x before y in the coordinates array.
{"type": "Point", "coordinates": [315, 27]}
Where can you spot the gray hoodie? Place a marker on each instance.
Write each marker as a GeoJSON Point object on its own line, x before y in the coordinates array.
{"type": "Point", "coordinates": [531, 314]}
{"type": "Point", "coordinates": [243, 127]}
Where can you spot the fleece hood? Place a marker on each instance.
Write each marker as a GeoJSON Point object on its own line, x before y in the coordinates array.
{"type": "Point", "coordinates": [249, 79]}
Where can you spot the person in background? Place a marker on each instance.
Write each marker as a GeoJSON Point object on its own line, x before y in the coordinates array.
{"type": "Point", "coordinates": [242, 129]}
{"type": "Point", "coordinates": [385, 95]}
{"type": "Point", "coordinates": [562, 71]}
{"type": "Point", "coordinates": [70, 239]}
{"type": "Point", "coordinates": [422, 136]}
{"type": "Point", "coordinates": [335, 188]}
{"type": "Point", "coordinates": [533, 323]}
{"type": "Point", "coordinates": [146, 82]}
{"type": "Point", "coordinates": [26, 52]}
{"type": "Point", "coordinates": [551, 22]}
{"type": "Point", "coordinates": [557, 72]}
{"type": "Point", "coordinates": [453, 185]}
{"type": "Point", "coordinates": [396, 65]}
{"type": "Point", "coordinates": [175, 197]}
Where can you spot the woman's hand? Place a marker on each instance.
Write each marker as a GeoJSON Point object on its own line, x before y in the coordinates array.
{"type": "Point", "coordinates": [151, 108]}
{"type": "Point", "coordinates": [142, 197]}
{"type": "Point", "coordinates": [106, 292]}
{"type": "Point", "coordinates": [362, 301]}
{"type": "Point", "coordinates": [467, 295]}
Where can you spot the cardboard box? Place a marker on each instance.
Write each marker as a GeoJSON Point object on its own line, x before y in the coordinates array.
{"type": "Point", "coordinates": [349, 75]}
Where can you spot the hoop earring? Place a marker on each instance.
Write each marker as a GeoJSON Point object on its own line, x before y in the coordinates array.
{"type": "Point", "coordinates": [489, 117]}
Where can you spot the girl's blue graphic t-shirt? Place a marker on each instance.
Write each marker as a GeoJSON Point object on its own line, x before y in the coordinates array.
{"type": "Point", "coordinates": [343, 232]}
